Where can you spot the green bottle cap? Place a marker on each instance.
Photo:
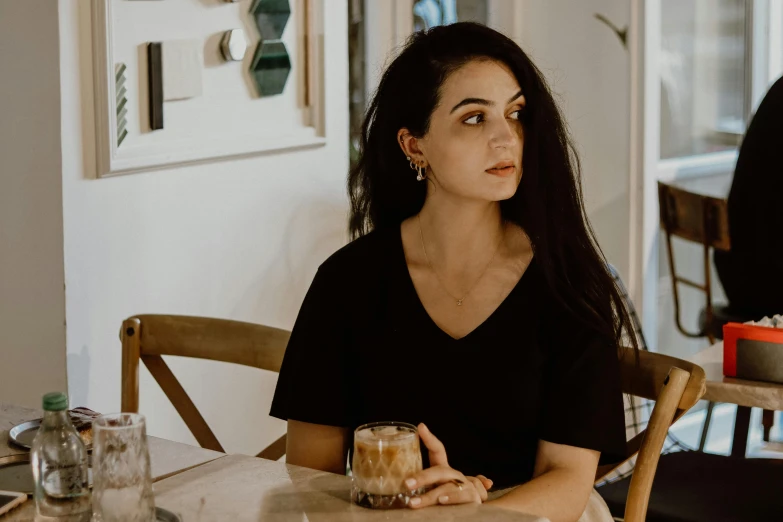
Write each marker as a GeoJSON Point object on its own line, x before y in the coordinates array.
{"type": "Point", "coordinates": [55, 401]}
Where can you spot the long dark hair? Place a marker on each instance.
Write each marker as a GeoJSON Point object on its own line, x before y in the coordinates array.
{"type": "Point", "coordinates": [548, 203]}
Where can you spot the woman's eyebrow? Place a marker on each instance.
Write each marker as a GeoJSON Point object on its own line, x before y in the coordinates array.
{"type": "Point", "coordinates": [481, 101]}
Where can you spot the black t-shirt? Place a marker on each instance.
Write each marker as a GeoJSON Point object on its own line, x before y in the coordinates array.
{"type": "Point", "coordinates": [364, 349]}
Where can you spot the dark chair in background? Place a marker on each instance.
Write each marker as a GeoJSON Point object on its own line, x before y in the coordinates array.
{"type": "Point", "coordinates": [704, 220]}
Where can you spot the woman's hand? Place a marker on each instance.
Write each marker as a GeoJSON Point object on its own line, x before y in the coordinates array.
{"type": "Point", "coordinates": [452, 486]}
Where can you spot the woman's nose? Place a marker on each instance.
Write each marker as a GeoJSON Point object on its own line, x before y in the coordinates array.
{"type": "Point", "coordinates": [504, 134]}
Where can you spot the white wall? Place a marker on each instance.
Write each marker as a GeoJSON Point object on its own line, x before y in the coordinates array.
{"type": "Point", "coordinates": [32, 306]}
{"type": "Point", "coordinates": [589, 70]}
{"type": "Point", "coordinates": [238, 239]}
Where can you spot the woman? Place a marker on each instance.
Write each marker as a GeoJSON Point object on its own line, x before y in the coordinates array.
{"type": "Point", "coordinates": [474, 300]}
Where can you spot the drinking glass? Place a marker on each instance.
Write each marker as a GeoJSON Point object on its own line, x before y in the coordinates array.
{"type": "Point", "coordinates": [122, 482]}
{"type": "Point", "coordinates": [384, 455]}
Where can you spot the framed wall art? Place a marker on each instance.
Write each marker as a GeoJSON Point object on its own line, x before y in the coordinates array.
{"type": "Point", "coordinates": [184, 81]}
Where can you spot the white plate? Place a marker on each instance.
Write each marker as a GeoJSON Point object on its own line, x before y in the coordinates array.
{"type": "Point", "coordinates": [22, 435]}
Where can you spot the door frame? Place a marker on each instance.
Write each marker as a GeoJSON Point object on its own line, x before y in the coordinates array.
{"type": "Point", "coordinates": [645, 150]}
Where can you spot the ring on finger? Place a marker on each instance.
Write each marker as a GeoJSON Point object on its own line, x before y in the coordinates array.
{"type": "Point", "coordinates": [458, 483]}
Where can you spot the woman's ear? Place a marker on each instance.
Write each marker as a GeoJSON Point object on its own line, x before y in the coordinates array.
{"type": "Point", "coordinates": [410, 146]}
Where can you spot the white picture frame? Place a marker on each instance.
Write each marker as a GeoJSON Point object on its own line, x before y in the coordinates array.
{"type": "Point", "coordinates": [113, 159]}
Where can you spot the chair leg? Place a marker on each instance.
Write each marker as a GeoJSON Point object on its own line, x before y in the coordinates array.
{"type": "Point", "coordinates": [741, 427]}
{"type": "Point", "coordinates": [276, 450]}
{"type": "Point", "coordinates": [706, 426]}
{"type": "Point", "coordinates": [768, 421]}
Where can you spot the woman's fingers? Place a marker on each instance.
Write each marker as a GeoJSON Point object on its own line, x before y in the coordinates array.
{"type": "Point", "coordinates": [446, 494]}
{"type": "Point", "coordinates": [435, 475]}
{"type": "Point", "coordinates": [487, 483]}
{"type": "Point", "coordinates": [480, 489]}
{"type": "Point", "coordinates": [436, 448]}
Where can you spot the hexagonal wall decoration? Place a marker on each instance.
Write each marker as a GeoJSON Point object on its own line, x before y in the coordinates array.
{"type": "Point", "coordinates": [271, 63]}
{"type": "Point", "coordinates": [245, 125]}
{"type": "Point", "coordinates": [271, 17]}
{"type": "Point", "coordinates": [270, 67]}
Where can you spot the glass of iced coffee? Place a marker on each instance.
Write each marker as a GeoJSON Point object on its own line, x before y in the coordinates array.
{"type": "Point", "coordinates": [384, 455]}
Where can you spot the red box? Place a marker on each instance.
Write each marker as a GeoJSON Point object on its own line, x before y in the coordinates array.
{"type": "Point", "coordinates": [753, 352]}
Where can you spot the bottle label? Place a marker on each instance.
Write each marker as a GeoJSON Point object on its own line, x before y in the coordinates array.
{"type": "Point", "coordinates": [64, 480]}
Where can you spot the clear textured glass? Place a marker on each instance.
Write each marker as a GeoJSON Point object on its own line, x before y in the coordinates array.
{"type": "Point", "coordinates": [60, 470]}
{"type": "Point", "coordinates": [122, 481]}
{"type": "Point", "coordinates": [429, 13]}
{"type": "Point", "coordinates": [702, 68]}
{"type": "Point", "coordinates": [385, 454]}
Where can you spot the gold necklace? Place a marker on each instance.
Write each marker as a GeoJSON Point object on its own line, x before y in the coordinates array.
{"type": "Point", "coordinates": [457, 299]}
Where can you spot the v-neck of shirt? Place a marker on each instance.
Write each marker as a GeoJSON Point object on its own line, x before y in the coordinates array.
{"type": "Point", "coordinates": [422, 310]}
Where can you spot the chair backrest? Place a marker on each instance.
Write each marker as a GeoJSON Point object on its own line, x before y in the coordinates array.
{"type": "Point", "coordinates": [637, 410]}
{"type": "Point", "coordinates": [148, 337]}
{"type": "Point", "coordinates": [701, 219]}
{"type": "Point", "coordinates": [675, 386]}
{"type": "Point", "coordinates": [696, 217]}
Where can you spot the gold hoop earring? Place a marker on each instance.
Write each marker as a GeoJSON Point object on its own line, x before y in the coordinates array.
{"type": "Point", "coordinates": [420, 169]}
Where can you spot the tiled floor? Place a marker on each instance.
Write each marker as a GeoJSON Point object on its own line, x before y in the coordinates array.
{"type": "Point", "coordinates": [688, 429]}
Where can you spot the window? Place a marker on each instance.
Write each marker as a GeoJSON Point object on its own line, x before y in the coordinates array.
{"type": "Point", "coordinates": [356, 76]}
{"type": "Point", "coordinates": [429, 13]}
{"type": "Point", "coordinates": [704, 74]}
{"type": "Point", "coordinates": [378, 27]}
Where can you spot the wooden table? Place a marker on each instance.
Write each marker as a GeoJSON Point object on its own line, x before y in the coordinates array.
{"type": "Point", "coordinates": [203, 485]}
{"type": "Point", "coordinates": [167, 458]}
{"type": "Point", "coordinates": [244, 489]}
{"type": "Point", "coordinates": [744, 393]}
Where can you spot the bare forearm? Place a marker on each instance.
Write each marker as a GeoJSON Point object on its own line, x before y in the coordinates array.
{"type": "Point", "coordinates": [308, 460]}
{"type": "Point", "coordinates": [558, 494]}
{"type": "Point", "coordinates": [316, 446]}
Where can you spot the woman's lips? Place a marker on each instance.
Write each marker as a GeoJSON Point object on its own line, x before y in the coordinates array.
{"type": "Point", "coordinates": [502, 171]}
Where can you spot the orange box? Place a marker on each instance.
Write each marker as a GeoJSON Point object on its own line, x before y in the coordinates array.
{"type": "Point", "coordinates": [753, 352]}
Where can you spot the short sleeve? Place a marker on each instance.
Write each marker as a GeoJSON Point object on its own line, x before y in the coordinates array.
{"type": "Point", "coordinates": [582, 394]}
{"type": "Point", "coordinates": [314, 380]}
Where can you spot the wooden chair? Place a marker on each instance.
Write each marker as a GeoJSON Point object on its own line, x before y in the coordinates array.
{"type": "Point", "coordinates": [690, 486]}
{"type": "Point", "coordinates": [701, 219]}
{"type": "Point", "coordinates": [675, 386]}
{"type": "Point", "coordinates": [148, 337]}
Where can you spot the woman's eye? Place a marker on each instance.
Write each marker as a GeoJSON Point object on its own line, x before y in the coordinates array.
{"type": "Point", "coordinates": [517, 114]}
{"type": "Point", "coordinates": [474, 120]}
